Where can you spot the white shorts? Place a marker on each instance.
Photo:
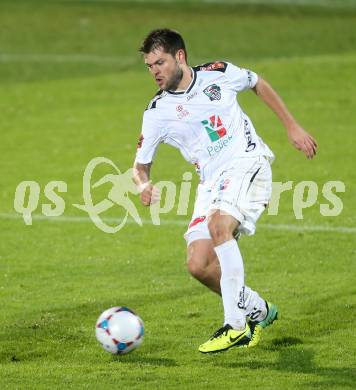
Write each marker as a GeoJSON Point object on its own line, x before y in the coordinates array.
{"type": "Point", "coordinates": [242, 190]}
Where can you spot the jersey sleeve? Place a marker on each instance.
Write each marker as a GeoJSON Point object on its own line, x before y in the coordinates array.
{"type": "Point", "coordinates": [240, 78]}
{"type": "Point", "coordinates": [150, 138]}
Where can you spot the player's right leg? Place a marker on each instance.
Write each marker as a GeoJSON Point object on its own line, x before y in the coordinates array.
{"type": "Point", "coordinates": [203, 265]}
{"type": "Point", "coordinates": [202, 262]}
{"type": "Point", "coordinates": [235, 332]}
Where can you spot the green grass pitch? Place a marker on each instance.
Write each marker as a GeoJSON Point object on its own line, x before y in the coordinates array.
{"type": "Point", "coordinates": [73, 87]}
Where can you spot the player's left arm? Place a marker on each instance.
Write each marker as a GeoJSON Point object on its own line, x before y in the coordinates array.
{"type": "Point", "coordinates": [297, 135]}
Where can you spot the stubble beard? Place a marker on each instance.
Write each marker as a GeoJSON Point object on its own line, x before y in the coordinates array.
{"type": "Point", "coordinates": [173, 82]}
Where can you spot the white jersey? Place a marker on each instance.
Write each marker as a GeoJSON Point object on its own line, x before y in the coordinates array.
{"type": "Point", "coordinates": [205, 122]}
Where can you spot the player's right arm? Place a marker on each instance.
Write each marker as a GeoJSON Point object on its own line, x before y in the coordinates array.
{"type": "Point", "coordinates": [141, 176]}
{"type": "Point", "coordinates": [149, 140]}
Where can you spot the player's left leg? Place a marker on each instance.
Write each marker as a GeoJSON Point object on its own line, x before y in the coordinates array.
{"type": "Point", "coordinates": [203, 264]}
{"type": "Point", "coordinates": [240, 195]}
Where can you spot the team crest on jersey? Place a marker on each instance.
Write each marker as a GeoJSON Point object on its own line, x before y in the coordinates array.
{"type": "Point", "coordinates": [213, 92]}
{"type": "Point", "coordinates": [214, 127]}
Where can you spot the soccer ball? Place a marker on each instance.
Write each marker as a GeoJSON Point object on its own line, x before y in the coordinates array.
{"type": "Point", "coordinates": [119, 330]}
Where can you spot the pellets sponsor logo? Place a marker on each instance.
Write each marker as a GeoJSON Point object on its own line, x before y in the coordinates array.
{"type": "Point", "coordinates": [216, 132]}
{"type": "Point", "coordinates": [214, 127]}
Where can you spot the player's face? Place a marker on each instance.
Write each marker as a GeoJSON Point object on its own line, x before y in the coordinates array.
{"type": "Point", "coordinates": [165, 68]}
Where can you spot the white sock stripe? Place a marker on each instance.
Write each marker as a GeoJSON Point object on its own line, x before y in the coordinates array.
{"type": "Point", "coordinates": [178, 222]}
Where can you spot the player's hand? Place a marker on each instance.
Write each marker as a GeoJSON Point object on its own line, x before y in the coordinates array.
{"type": "Point", "coordinates": [149, 194]}
{"type": "Point", "coordinates": [302, 140]}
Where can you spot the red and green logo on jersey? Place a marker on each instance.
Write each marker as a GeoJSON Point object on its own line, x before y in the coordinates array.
{"type": "Point", "coordinates": [214, 127]}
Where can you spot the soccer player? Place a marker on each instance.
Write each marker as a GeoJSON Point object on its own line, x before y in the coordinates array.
{"type": "Point", "coordinates": [196, 111]}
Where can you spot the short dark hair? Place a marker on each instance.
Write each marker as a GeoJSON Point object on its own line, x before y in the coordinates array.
{"type": "Point", "coordinates": [169, 40]}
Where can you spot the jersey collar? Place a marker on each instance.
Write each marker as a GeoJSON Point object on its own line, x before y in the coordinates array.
{"type": "Point", "coordinates": [190, 86]}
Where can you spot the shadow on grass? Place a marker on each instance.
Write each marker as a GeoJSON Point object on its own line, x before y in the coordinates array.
{"type": "Point", "coordinates": [294, 358]}
{"type": "Point", "coordinates": [47, 332]}
{"type": "Point", "coordinates": [144, 360]}
{"type": "Point", "coordinates": [136, 359]}
{"type": "Point", "coordinates": [285, 342]}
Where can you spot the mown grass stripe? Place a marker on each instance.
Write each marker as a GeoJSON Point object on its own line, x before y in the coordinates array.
{"type": "Point", "coordinates": [178, 222]}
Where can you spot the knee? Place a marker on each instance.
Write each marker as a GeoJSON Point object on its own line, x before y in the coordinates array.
{"type": "Point", "coordinates": [219, 232]}
{"type": "Point", "coordinates": [195, 267]}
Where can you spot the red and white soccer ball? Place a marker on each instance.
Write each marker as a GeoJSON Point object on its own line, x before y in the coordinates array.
{"type": "Point", "coordinates": [119, 330]}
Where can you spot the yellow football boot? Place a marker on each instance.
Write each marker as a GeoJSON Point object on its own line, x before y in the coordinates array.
{"type": "Point", "coordinates": [225, 338]}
